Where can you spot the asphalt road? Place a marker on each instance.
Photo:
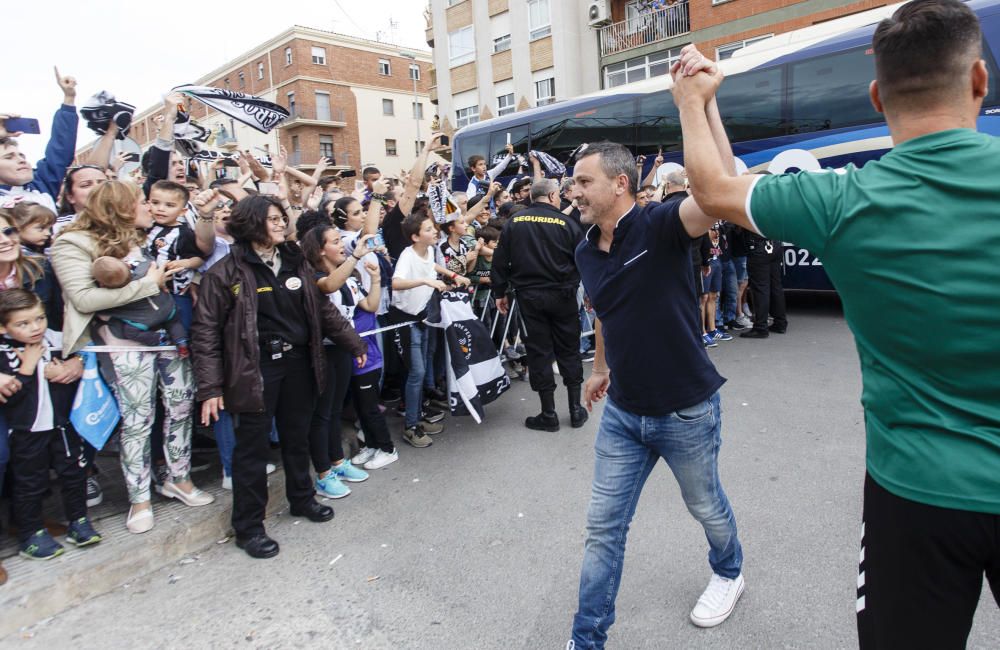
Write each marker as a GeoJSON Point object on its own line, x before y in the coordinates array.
{"type": "Point", "coordinates": [476, 541]}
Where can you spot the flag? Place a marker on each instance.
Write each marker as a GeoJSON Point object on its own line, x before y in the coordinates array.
{"type": "Point", "coordinates": [475, 375]}
{"type": "Point", "coordinates": [258, 113]}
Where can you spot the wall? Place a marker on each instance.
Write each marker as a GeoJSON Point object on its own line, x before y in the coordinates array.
{"type": "Point", "coordinates": [375, 128]}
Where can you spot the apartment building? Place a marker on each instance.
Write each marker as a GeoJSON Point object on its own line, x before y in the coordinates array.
{"type": "Point", "coordinates": [493, 57]}
{"type": "Point", "coordinates": [355, 101]}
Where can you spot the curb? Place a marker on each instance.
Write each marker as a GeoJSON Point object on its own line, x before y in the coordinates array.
{"type": "Point", "coordinates": [38, 590]}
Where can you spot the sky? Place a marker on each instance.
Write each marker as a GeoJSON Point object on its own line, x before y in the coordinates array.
{"type": "Point", "coordinates": [138, 50]}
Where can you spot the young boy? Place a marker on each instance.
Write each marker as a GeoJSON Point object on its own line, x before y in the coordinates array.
{"type": "Point", "coordinates": [481, 178]}
{"type": "Point", "coordinates": [172, 243]}
{"type": "Point", "coordinates": [41, 435]}
{"type": "Point", "coordinates": [487, 242]}
{"type": "Point", "coordinates": [413, 283]}
{"type": "Point", "coordinates": [139, 321]}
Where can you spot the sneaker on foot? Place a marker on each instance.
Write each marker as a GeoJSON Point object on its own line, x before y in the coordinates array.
{"type": "Point", "coordinates": [271, 468]}
{"type": "Point", "coordinates": [719, 335]}
{"type": "Point", "coordinates": [437, 397]}
{"type": "Point", "coordinates": [363, 456]}
{"type": "Point", "coordinates": [709, 341]}
{"type": "Point", "coordinates": [346, 471]}
{"type": "Point", "coordinates": [382, 458]}
{"type": "Point", "coordinates": [717, 601]}
{"type": "Point", "coordinates": [41, 546]}
{"type": "Point", "coordinates": [330, 487]}
{"type": "Point", "coordinates": [82, 533]}
{"type": "Point", "coordinates": [227, 482]}
{"type": "Point", "coordinates": [433, 416]}
{"type": "Point", "coordinates": [94, 493]}
{"type": "Point", "coordinates": [415, 436]}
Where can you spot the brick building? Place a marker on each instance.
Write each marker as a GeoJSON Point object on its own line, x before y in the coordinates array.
{"type": "Point", "coordinates": [497, 56]}
{"type": "Point", "coordinates": [350, 99]}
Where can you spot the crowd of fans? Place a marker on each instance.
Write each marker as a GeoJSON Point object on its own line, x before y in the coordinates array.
{"type": "Point", "coordinates": [235, 302]}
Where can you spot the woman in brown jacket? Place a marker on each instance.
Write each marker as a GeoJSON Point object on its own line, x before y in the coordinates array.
{"type": "Point", "coordinates": [257, 346]}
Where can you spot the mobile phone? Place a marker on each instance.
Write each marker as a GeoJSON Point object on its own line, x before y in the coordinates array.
{"type": "Point", "coordinates": [445, 141]}
{"type": "Point", "coordinates": [376, 241]}
{"type": "Point", "coordinates": [508, 138]}
{"type": "Point", "coordinates": [348, 173]}
{"type": "Point", "coordinates": [22, 124]}
{"type": "Point", "coordinates": [268, 189]}
{"type": "Point", "coordinates": [131, 157]}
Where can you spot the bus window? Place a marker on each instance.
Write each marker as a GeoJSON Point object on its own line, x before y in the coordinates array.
{"type": "Point", "coordinates": [657, 124]}
{"type": "Point", "coordinates": [831, 91]}
{"type": "Point", "coordinates": [992, 96]}
{"type": "Point", "coordinates": [750, 104]}
{"type": "Point", "coordinates": [498, 143]}
{"type": "Point", "coordinates": [559, 135]}
{"type": "Point", "coordinates": [473, 145]}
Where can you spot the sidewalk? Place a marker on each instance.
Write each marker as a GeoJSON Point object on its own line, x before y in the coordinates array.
{"type": "Point", "coordinates": [37, 590]}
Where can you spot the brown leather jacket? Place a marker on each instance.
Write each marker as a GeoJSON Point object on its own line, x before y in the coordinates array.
{"type": "Point", "coordinates": [224, 343]}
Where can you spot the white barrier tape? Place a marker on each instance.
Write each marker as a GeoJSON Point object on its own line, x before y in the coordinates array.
{"type": "Point", "coordinates": [388, 327]}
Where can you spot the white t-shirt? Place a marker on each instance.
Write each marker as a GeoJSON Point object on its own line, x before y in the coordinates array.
{"type": "Point", "coordinates": [411, 266]}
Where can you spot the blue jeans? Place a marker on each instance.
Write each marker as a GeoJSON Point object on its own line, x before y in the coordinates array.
{"type": "Point", "coordinates": [225, 439]}
{"type": "Point", "coordinates": [730, 287]}
{"type": "Point", "coordinates": [414, 392]}
{"type": "Point", "coordinates": [627, 448]}
{"type": "Point", "coordinates": [185, 308]}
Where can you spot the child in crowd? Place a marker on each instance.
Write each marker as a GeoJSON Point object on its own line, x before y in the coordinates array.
{"type": "Point", "coordinates": [483, 178]}
{"type": "Point", "coordinates": [459, 256]}
{"type": "Point", "coordinates": [34, 223]}
{"type": "Point", "coordinates": [142, 320]}
{"type": "Point", "coordinates": [172, 243]}
{"type": "Point", "coordinates": [413, 283]}
{"type": "Point", "coordinates": [41, 436]}
{"type": "Point", "coordinates": [489, 238]}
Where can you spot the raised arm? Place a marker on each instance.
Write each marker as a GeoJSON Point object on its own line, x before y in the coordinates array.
{"type": "Point", "coordinates": [101, 154]}
{"type": "Point", "coordinates": [502, 165]}
{"type": "Point", "coordinates": [416, 177]}
{"type": "Point", "coordinates": [651, 176]}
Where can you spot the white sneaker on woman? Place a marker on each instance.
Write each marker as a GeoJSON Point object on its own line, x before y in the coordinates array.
{"type": "Point", "coordinates": [381, 459]}
{"type": "Point", "coordinates": [194, 498]}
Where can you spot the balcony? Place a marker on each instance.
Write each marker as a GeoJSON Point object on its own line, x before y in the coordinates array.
{"type": "Point", "coordinates": [648, 27]}
{"type": "Point", "coordinates": [307, 160]}
{"type": "Point", "coordinates": [302, 116]}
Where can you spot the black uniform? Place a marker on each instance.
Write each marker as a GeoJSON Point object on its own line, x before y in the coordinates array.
{"type": "Point", "coordinates": [767, 294]}
{"type": "Point", "coordinates": [534, 261]}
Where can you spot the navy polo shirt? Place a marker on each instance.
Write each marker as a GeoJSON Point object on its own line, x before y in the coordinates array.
{"type": "Point", "coordinates": [643, 292]}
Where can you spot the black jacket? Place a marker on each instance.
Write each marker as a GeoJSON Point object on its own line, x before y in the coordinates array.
{"type": "Point", "coordinates": [536, 251]}
{"type": "Point", "coordinates": [224, 340]}
{"type": "Point", "coordinates": [22, 407]}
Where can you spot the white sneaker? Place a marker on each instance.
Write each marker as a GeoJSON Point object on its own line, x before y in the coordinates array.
{"type": "Point", "coordinates": [717, 601]}
{"type": "Point", "coordinates": [271, 468]}
{"type": "Point", "coordinates": [363, 456]}
{"type": "Point", "coordinates": [744, 321]}
{"type": "Point", "coordinates": [381, 459]}
{"type": "Point", "coordinates": [227, 482]}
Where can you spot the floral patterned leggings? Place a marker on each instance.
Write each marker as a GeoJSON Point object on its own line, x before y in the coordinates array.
{"type": "Point", "coordinates": [134, 385]}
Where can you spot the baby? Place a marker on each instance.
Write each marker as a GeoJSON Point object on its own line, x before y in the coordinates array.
{"type": "Point", "coordinates": [139, 321]}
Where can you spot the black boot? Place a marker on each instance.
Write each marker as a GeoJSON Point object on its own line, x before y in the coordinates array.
{"type": "Point", "coordinates": [577, 414]}
{"type": "Point", "coordinates": [547, 420]}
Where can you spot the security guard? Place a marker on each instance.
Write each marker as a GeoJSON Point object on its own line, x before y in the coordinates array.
{"type": "Point", "coordinates": [534, 262]}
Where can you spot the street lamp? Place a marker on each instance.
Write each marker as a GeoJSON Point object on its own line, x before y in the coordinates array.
{"type": "Point", "coordinates": [412, 56]}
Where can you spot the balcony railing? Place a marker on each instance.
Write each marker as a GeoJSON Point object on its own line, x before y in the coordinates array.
{"type": "Point", "coordinates": [646, 28]}
{"type": "Point", "coordinates": [301, 115]}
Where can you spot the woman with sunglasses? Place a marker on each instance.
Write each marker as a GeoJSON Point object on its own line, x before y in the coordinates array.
{"type": "Point", "coordinates": [257, 341]}
{"type": "Point", "coordinates": [113, 223]}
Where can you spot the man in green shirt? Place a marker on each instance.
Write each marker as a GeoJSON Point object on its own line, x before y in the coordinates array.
{"type": "Point", "coordinates": [915, 236]}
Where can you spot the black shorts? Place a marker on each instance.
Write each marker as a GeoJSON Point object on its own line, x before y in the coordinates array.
{"type": "Point", "coordinates": [921, 571]}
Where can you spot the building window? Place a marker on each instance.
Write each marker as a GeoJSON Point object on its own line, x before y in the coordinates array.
{"type": "Point", "coordinates": [418, 111]}
{"type": "Point", "coordinates": [226, 82]}
{"type": "Point", "coordinates": [322, 105]}
{"type": "Point", "coordinates": [461, 47]}
{"type": "Point", "coordinates": [505, 104]}
{"type": "Point", "coordinates": [641, 67]}
{"type": "Point", "coordinates": [387, 107]}
{"type": "Point", "coordinates": [260, 69]}
{"type": "Point", "coordinates": [419, 146]}
{"type": "Point", "coordinates": [466, 116]}
{"type": "Point", "coordinates": [384, 67]}
{"type": "Point", "coordinates": [501, 44]}
{"type": "Point", "coordinates": [414, 72]}
{"type": "Point", "coordinates": [538, 19]}
{"type": "Point", "coordinates": [319, 56]}
{"type": "Point", "coordinates": [545, 91]}
{"type": "Point", "coordinates": [288, 56]}
{"type": "Point", "coordinates": [243, 80]}
{"type": "Point", "coordinates": [390, 147]}
{"type": "Point", "coordinates": [724, 52]}
{"type": "Point", "coordinates": [326, 146]}
{"type": "Point", "coordinates": [295, 144]}
{"type": "Point", "coordinates": [291, 105]}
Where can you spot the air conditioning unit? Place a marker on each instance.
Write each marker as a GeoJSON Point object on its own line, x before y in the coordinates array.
{"type": "Point", "coordinates": [598, 13]}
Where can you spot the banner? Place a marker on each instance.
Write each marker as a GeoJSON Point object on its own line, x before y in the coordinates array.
{"type": "Point", "coordinates": [95, 411]}
{"type": "Point", "coordinates": [253, 111]}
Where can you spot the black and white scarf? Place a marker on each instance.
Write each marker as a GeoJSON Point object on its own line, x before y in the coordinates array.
{"type": "Point", "coordinates": [258, 113]}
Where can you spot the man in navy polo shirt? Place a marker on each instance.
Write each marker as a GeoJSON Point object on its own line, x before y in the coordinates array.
{"type": "Point", "coordinates": [662, 390]}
